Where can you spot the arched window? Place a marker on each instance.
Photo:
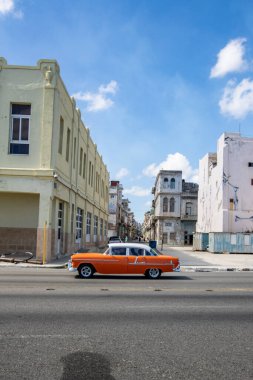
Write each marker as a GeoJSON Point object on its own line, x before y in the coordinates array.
{"type": "Point", "coordinates": [172, 183]}
{"type": "Point", "coordinates": [165, 180]}
{"type": "Point", "coordinates": [188, 208]}
{"type": "Point", "coordinates": [165, 204]}
{"type": "Point", "coordinates": [165, 183]}
{"type": "Point", "coordinates": [172, 204]}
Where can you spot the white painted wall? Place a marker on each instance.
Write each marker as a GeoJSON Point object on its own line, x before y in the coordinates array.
{"type": "Point", "coordinates": [215, 211]}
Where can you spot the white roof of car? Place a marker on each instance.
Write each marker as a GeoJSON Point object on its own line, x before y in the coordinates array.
{"type": "Point", "coordinates": [130, 245]}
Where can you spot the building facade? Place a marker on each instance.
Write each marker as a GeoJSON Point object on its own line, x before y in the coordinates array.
{"type": "Point", "coordinates": [121, 219]}
{"type": "Point", "coordinates": [225, 204]}
{"type": "Point", "coordinates": [53, 181]}
{"type": "Point", "coordinates": [115, 208]}
{"type": "Point", "coordinates": [173, 218]}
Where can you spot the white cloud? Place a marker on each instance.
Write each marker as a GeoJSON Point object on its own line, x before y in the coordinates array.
{"type": "Point", "coordinates": [98, 101]}
{"type": "Point", "coordinates": [123, 172]}
{"type": "Point", "coordinates": [137, 191]}
{"type": "Point", "coordinates": [8, 7]}
{"type": "Point", "coordinates": [237, 99]}
{"type": "Point", "coordinates": [110, 88]}
{"type": "Point", "coordinates": [175, 161]}
{"type": "Point", "coordinates": [230, 59]}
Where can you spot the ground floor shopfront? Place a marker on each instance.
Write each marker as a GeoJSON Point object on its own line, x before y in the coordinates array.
{"type": "Point", "coordinates": [48, 220]}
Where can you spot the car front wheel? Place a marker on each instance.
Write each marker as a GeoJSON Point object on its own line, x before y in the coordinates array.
{"type": "Point", "coordinates": [85, 271]}
{"type": "Point", "coordinates": [153, 273]}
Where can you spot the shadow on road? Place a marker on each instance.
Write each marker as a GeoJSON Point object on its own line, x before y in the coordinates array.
{"type": "Point", "coordinates": [139, 278]}
{"type": "Point", "coordinates": [86, 365]}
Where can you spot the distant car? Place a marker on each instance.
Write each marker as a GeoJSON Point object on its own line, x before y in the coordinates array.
{"type": "Point", "coordinates": [114, 239]}
{"type": "Point", "coordinates": [124, 258]}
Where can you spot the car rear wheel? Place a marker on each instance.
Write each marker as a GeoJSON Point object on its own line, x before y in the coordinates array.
{"type": "Point", "coordinates": [153, 273]}
{"type": "Point", "coordinates": [85, 271]}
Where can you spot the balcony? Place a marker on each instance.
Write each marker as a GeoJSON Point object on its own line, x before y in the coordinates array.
{"type": "Point", "coordinates": [189, 217]}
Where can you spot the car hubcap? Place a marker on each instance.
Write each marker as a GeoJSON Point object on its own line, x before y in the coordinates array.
{"type": "Point", "coordinates": [86, 271]}
{"type": "Point", "coordinates": [154, 273]}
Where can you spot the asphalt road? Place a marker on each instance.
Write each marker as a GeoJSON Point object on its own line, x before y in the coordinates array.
{"type": "Point", "coordinates": [54, 325]}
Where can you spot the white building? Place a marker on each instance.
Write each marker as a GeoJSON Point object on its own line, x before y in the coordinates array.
{"type": "Point", "coordinates": [175, 208]}
{"type": "Point", "coordinates": [225, 203]}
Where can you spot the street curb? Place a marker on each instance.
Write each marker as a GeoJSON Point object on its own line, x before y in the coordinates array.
{"type": "Point", "coordinates": [214, 269]}
{"type": "Point", "coordinates": [183, 268]}
{"type": "Point", "coordinates": [37, 266]}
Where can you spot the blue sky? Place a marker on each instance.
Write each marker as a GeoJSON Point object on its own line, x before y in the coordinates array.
{"type": "Point", "coordinates": [157, 81]}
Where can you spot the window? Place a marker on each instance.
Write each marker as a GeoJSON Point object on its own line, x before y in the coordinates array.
{"type": "Point", "coordinates": [103, 189]}
{"type": "Point", "coordinates": [165, 182]}
{"type": "Point", "coordinates": [74, 157]}
{"type": "Point", "coordinates": [20, 128]}
{"type": "Point", "coordinates": [231, 204]}
{"type": "Point", "coordinates": [67, 146]}
{"type": "Point", "coordinates": [251, 181]}
{"type": "Point", "coordinates": [188, 208]}
{"type": "Point", "coordinates": [250, 164]}
{"type": "Point", "coordinates": [97, 188]}
{"type": "Point", "coordinates": [91, 181]}
{"type": "Point", "coordinates": [172, 236]}
{"type": "Point", "coordinates": [95, 225]}
{"type": "Point", "coordinates": [79, 224]}
{"type": "Point", "coordinates": [172, 183]}
{"type": "Point", "coordinates": [72, 218]}
{"type": "Point", "coordinates": [88, 223]}
{"type": "Point", "coordinates": [172, 204]}
{"type": "Point", "coordinates": [101, 227]}
{"type": "Point", "coordinates": [165, 204]}
{"type": "Point", "coordinates": [81, 162]}
{"type": "Point", "coordinates": [118, 251]}
{"type": "Point", "coordinates": [84, 165]}
{"type": "Point", "coordinates": [61, 135]}
{"type": "Point", "coordinates": [105, 229]}
{"type": "Point", "coordinates": [89, 173]}
{"type": "Point", "coordinates": [136, 252]}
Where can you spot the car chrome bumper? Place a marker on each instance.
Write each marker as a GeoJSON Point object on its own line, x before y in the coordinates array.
{"type": "Point", "coordinates": [70, 268]}
{"type": "Point", "coordinates": [177, 269]}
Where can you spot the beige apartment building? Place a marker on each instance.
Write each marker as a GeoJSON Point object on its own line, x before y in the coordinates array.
{"type": "Point", "coordinates": [53, 182]}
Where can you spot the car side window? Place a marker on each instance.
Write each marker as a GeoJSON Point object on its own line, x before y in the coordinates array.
{"type": "Point", "coordinates": [136, 251]}
{"type": "Point", "coordinates": [133, 252]}
{"type": "Point", "coordinates": [118, 251]}
{"type": "Point", "coordinates": [147, 253]}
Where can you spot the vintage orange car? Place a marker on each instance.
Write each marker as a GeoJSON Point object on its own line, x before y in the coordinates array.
{"type": "Point", "coordinates": [124, 258]}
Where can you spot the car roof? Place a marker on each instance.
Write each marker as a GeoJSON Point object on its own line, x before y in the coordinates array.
{"type": "Point", "coordinates": [130, 245]}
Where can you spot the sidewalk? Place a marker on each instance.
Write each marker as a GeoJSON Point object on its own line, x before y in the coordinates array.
{"type": "Point", "coordinates": [55, 264]}
{"type": "Point", "coordinates": [191, 261]}
{"type": "Point", "coordinates": [201, 261]}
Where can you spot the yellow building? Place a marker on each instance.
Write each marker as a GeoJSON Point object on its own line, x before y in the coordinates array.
{"type": "Point", "coordinates": [53, 182]}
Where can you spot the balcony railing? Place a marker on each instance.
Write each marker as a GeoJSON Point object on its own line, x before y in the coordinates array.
{"type": "Point", "coordinates": [188, 217]}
